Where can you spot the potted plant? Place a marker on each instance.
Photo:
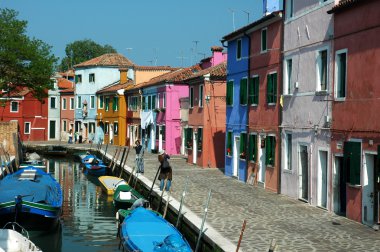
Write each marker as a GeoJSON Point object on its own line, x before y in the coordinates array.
{"type": "Point", "coordinates": [157, 110]}
{"type": "Point", "coordinates": [228, 151]}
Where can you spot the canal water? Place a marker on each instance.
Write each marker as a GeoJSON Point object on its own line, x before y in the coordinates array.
{"type": "Point", "coordinates": [88, 220]}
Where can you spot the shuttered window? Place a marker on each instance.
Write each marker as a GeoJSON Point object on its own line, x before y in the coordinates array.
{"type": "Point", "coordinates": [115, 103]}
{"type": "Point", "coordinates": [270, 147]}
{"type": "Point", "coordinates": [243, 145]}
{"type": "Point", "coordinates": [200, 139]}
{"type": "Point", "coordinates": [351, 161]}
{"type": "Point", "coordinates": [230, 93]}
{"type": "Point", "coordinates": [189, 138]}
{"type": "Point", "coordinates": [229, 143]}
{"type": "Point", "coordinates": [154, 102]}
{"type": "Point", "coordinates": [252, 151]}
{"type": "Point", "coordinates": [253, 91]}
{"type": "Point", "coordinates": [272, 88]}
{"type": "Point", "coordinates": [243, 92]}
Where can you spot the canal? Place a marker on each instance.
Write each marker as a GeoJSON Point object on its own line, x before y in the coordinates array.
{"type": "Point", "coordinates": [88, 219]}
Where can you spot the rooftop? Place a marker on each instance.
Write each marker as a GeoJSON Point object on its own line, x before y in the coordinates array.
{"type": "Point", "coordinates": [109, 59]}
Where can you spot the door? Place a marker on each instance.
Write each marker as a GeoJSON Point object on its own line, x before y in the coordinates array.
{"type": "Point", "coordinates": [339, 187]}
{"type": "Point", "coordinates": [322, 179]}
{"type": "Point", "coordinates": [262, 157]}
{"type": "Point", "coordinates": [111, 133]}
{"type": "Point", "coordinates": [235, 168]}
{"type": "Point", "coordinates": [160, 138]}
{"type": "Point", "coordinates": [303, 172]}
{"type": "Point", "coordinates": [52, 127]}
{"type": "Point", "coordinates": [195, 146]}
{"type": "Point", "coordinates": [368, 190]}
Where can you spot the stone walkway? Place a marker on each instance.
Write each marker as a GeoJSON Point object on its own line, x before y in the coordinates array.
{"type": "Point", "coordinates": [295, 225]}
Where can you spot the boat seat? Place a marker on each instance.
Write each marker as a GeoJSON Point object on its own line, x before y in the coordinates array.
{"type": "Point", "coordinates": [28, 175]}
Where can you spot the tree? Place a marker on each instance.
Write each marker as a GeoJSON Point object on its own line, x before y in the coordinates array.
{"type": "Point", "coordinates": [24, 62]}
{"type": "Point", "coordinates": [83, 50]}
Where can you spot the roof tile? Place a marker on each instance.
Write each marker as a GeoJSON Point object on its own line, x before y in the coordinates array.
{"type": "Point", "coordinates": [109, 59]}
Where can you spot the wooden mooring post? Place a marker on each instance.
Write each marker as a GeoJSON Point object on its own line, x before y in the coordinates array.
{"type": "Point", "coordinates": [201, 231]}
{"type": "Point", "coordinates": [182, 201]}
{"type": "Point", "coordinates": [241, 235]}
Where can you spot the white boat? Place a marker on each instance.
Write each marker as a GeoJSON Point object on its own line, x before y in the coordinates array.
{"type": "Point", "coordinates": [13, 241]}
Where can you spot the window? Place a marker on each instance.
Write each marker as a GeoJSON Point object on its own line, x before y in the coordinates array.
{"type": "Point", "coordinates": [64, 104]}
{"type": "Point", "coordinates": [252, 151]}
{"type": "Point", "coordinates": [91, 128]}
{"type": "Point", "coordinates": [189, 138]}
{"type": "Point", "coordinates": [352, 161]}
{"type": "Point", "coordinates": [288, 76]}
{"type": "Point", "coordinates": [154, 102]}
{"type": "Point", "coordinates": [191, 97]}
{"type": "Point", "coordinates": [101, 102]}
{"type": "Point", "coordinates": [53, 102]}
{"type": "Point", "coordinates": [230, 93]}
{"type": "Point", "coordinates": [164, 100]}
{"type": "Point", "coordinates": [200, 102]}
{"type": "Point", "coordinates": [229, 143]}
{"type": "Point", "coordinates": [92, 101]}
{"type": "Point", "coordinates": [264, 40]}
{"type": "Point", "coordinates": [106, 127]}
{"type": "Point", "coordinates": [72, 103]}
{"type": "Point", "coordinates": [78, 78]}
{"type": "Point", "coordinates": [243, 145]}
{"type": "Point", "coordinates": [144, 105]}
{"type": "Point", "coordinates": [322, 70]}
{"type": "Point", "coordinates": [253, 91]}
{"type": "Point", "coordinates": [107, 103]}
{"type": "Point", "coordinates": [79, 102]}
{"type": "Point", "coordinates": [270, 148]}
{"type": "Point", "coordinates": [133, 103]}
{"type": "Point", "coordinates": [27, 128]}
{"type": "Point", "coordinates": [64, 125]}
{"type": "Point", "coordinates": [243, 92]}
{"type": "Point", "coordinates": [149, 102]}
{"type": "Point", "coordinates": [288, 151]}
{"type": "Point", "coordinates": [115, 128]}
{"type": "Point", "coordinates": [14, 106]}
{"type": "Point", "coordinates": [163, 132]}
{"type": "Point", "coordinates": [238, 49]}
{"type": "Point", "coordinates": [91, 77]}
{"type": "Point", "coordinates": [272, 88]}
{"type": "Point", "coordinates": [158, 100]}
{"type": "Point", "coordinates": [199, 139]}
{"type": "Point", "coordinates": [341, 74]}
{"type": "Point", "coordinates": [289, 8]}
{"type": "Point", "coordinates": [115, 103]}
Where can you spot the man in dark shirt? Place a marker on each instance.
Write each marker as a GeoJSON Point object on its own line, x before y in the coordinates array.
{"type": "Point", "coordinates": [139, 162]}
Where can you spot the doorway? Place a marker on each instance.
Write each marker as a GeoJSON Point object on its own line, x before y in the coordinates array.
{"type": "Point", "coordinates": [322, 179]}
{"type": "Point", "coordinates": [160, 138]}
{"type": "Point", "coordinates": [339, 187]}
{"type": "Point", "coordinates": [262, 164]}
{"type": "Point", "coordinates": [52, 127]}
{"type": "Point", "coordinates": [368, 206]}
{"type": "Point", "coordinates": [195, 146]}
{"type": "Point", "coordinates": [235, 168]}
{"type": "Point", "coordinates": [303, 173]}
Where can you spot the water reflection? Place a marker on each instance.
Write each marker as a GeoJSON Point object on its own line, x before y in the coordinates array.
{"type": "Point", "coordinates": [88, 219]}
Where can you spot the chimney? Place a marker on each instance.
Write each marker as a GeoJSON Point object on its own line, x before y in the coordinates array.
{"type": "Point", "coordinates": [217, 55]}
{"type": "Point", "coordinates": [123, 75]}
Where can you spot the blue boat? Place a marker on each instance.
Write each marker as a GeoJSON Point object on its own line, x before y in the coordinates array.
{"type": "Point", "coordinates": [31, 197]}
{"type": "Point", "coordinates": [145, 230]}
{"type": "Point", "coordinates": [93, 165]}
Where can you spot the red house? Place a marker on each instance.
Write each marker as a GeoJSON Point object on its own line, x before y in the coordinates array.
{"type": "Point", "coordinates": [355, 138]}
{"type": "Point", "coordinates": [263, 101]}
{"type": "Point", "coordinates": [30, 113]}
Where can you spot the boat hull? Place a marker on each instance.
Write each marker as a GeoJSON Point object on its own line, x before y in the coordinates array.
{"type": "Point", "coordinates": [125, 196]}
{"type": "Point", "coordinates": [109, 183]}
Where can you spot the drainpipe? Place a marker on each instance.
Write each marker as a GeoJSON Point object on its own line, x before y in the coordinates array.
{"type": "Point", "coordinates": [247, 126]}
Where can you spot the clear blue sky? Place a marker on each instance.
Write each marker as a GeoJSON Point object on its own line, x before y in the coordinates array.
{"type": "Point", "coordinates": [162, 30]}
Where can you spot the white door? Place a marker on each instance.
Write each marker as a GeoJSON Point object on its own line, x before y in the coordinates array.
{"type": "Point", "coordinates": [152, 138]}
{"type": "Point", "coordinates": [368, 190]}
{"type": "Point", "coordinates": [322, 179]}
{"type": "Point", "coordinates": [235, 168]}
{"type": "Point", "coordinates": [183, 141]}
{"type": "Point", "coordinates": [160, 138]}
{"type": "Point", "coordinates": [262, 156]}
{"type": "Point", "coordinates": [195, 146]}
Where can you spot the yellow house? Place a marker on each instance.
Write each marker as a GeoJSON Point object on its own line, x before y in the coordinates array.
{"type": "Point", "coordinates": [112, 112]}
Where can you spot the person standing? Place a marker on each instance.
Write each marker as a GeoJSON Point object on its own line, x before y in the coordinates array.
{"type": "Point", "coordinates": [70, 136]}
{"type": "Point", "coordinates": [139, 161]}
{"type": "Point", "coordinates": [166, 173]}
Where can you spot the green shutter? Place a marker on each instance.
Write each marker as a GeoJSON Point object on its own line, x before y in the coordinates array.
{"type": "Point", "coordinates": [342, 77]}
{"type": "Point", "coordinates": [153, 102]}
{"type": "Point", "coordinates": [114, 106]}
{"type": "Point", "coordinates": [149, 102]}
{"type": "Point", "coordinates": [269, 89]}
{"type": "Point", "coordinates": [274, 84]}
{"type": "Point", "coordinates": [199, 140]}
{"type": "Point", "coordinates": [256, 90]}
{"type": "Point", "coordinates": [229, 143]}
{"type": "Point", "coordinates": [229, 96]}
{"type": "Point", "coordinates": [351, 161]}
{"type": "Point", "coordinates": [252, 147]}
{"type": "Point", "coordinates": [243, 91]}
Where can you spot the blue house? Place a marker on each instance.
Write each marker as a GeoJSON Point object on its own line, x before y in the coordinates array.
{"type": "Point", "coordinates": [237, 111]}
{"type": "Point", "coordinates": [148, 118]}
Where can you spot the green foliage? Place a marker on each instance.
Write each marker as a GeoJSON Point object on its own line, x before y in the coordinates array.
{"type": "Point", "coordinates": [24, 62]}
{"type": "Point", "coordinates": [83, 50]}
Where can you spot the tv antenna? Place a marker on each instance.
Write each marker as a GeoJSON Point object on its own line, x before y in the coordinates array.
{"type": "Point", "coordinates": [204, 55]}
{"type": "Point", "coordinates": [233, 18]}
{"type": "Point", "coordinates": [181, 58]}
{"type": "Point", "coordinates": [247, 12]}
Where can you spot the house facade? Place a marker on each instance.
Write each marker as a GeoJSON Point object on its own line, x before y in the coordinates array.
{"type": "Point", "coordinates": [91, 76]}
{"type": "Point", "coordinates": [54, 111]}
{"type": "Point", "coordinates": [260, 147]}
{"type": "Point", "coordinates": [355, 138]}
{"type": "Point", "coordinates": [306, 100]}
{"type": "Point", "coordinates": [236, 114]}
{"type": "Point", "coordinates": [67, 107]}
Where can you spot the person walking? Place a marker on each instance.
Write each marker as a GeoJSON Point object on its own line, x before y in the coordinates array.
{"type": "Point", "coordinates": [70, 136]}
{"type": "Point", "coordinates": [139, 161]}
{"type": "Point", "coordinates": [166, 173]}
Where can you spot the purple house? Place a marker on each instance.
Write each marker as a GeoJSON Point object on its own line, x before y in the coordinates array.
{"type": "Point", "coordinates": [165, 127]}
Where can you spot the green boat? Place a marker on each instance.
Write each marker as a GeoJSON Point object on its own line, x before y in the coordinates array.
{"type": "Point", "coordinates": [125, 196]}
